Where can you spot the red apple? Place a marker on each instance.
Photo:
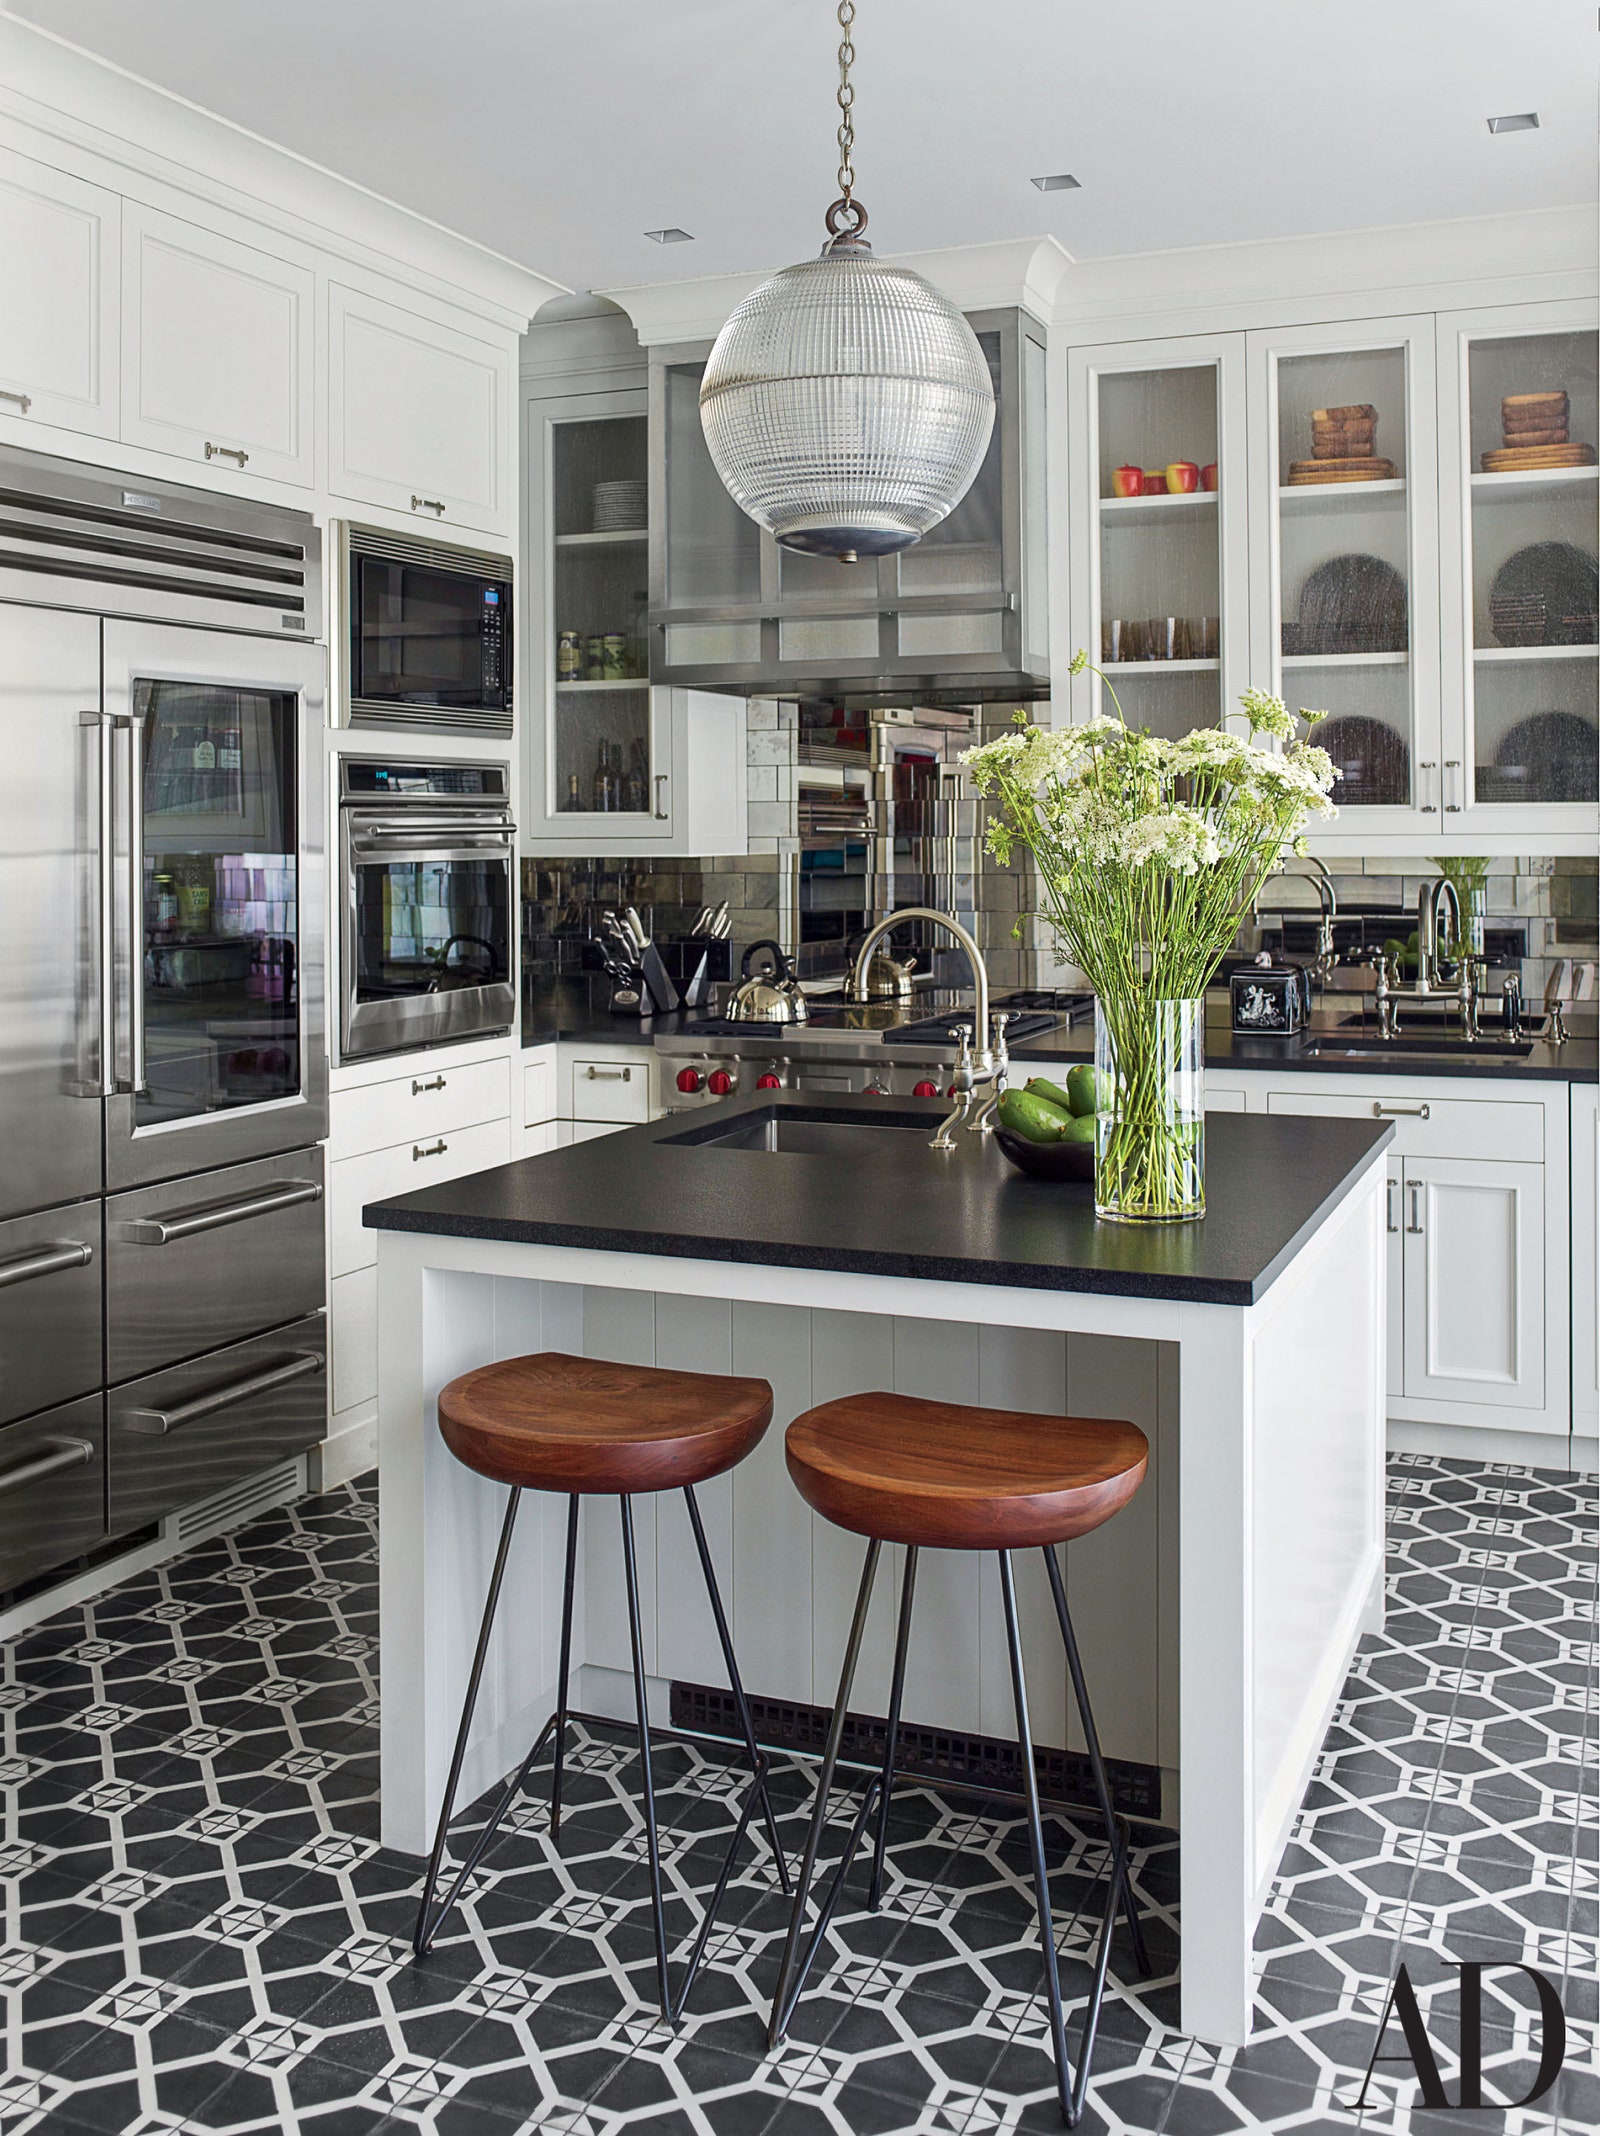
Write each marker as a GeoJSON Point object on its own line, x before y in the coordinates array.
{"type": "Point", "coordinates": [1208, 475]}
{"type": "Point", "coordinates": [1127, 481]}
{"type": "Point", "coordinates": [1183, 476]}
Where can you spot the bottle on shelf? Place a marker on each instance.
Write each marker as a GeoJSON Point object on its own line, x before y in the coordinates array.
{"type": "Point", "coordinates": [600, 785]}
{"type": "Point", "coordinates": [569, 656]}
{"type": "Point", "coordinates": [203, 757]}
{"type": "Point", "coordinates": [574, 800]}
{"type": "Point", "coordinates": [636, 794]}
{"type": "Point", "coordinates": [230, 753]}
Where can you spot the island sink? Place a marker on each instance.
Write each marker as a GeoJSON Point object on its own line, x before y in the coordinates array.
{"type": "Point", "coordinates": [810, 1131]}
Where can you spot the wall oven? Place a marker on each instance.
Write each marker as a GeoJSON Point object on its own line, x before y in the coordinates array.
{"type": "Point", "coordinates": [428, 903]}
{"type": "Point", "coordinates": [427, 636]}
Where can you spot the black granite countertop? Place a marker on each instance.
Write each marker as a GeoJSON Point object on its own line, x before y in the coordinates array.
{"type": "Point", "coordinates": [895, 1207]}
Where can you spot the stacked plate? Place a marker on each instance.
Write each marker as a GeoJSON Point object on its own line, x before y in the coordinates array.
{"type": "Point", "coordinates": [619, 507]}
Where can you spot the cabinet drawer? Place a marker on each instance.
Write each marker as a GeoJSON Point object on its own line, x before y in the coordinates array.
{"type": "Point", "coordinates": [353, 1338]}
{"type": "Point", "coordinates": [1430, 1126]}
{"type": "Point", "coordinates": [610, 1090]}
{"type": "Point", "coordinates": [195, 1263]}
{"type": "Point", "coordinates": [49, 1308]}
{"type": "Point", "coordinates": [180, 1436]}
{"type": "Point", "coordinates": [377, 1116]}
{"type": "Point", "coordinates": [52, 1489]}
{"type": "Point", "coordinates": [355, 1181]}
{"type": "Point", "coordinates": [539, 1091]}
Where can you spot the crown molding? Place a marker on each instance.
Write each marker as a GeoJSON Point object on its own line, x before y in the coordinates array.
{"type": "Point", "coordinates": [136, 130]}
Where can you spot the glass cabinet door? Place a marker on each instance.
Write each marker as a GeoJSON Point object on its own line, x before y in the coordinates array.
{"type": "Point", "coordinates": [1528, 434]}
{"type": "Point", "coordinates": [1348, 468]}
{"type": "Point", "coordinates": [710, 553]}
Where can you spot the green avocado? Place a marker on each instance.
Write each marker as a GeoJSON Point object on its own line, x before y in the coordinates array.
{"type": "Point", "coordinates": [1084, 1090]}
{"type": "Point", "coordinates": [1032, 1117]}
{"type": "Point", "coordinates": [1080, 1129]}
{"type": "Point", "coordinates": [1040, 1086]}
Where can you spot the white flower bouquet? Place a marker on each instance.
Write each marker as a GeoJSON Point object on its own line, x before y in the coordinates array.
{"type": "Point", "coordinates": [1149, 853]}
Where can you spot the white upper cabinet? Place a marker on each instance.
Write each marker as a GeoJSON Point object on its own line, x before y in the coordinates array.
{"type": "Point", "coordinates": [418, 415]}
{"type": "Point", "coordinates": [217, 348]}
{"type": "Point", "coordinates": [58, 314]}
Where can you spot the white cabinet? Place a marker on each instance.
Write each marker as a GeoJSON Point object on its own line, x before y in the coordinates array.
{"type": "Point", "coordinates": [59, 271]}
{"type": "Point", "coordinates": [1473, 1249]}
{"type": "Point", "coordinates": [1478, 1245]}
{"type": "Point", "coordinates": [1585, 1260]}
{"type": "Point", "coordinates": [601, 1088]}
{"type": "Point", "coordinates": [418, 415]}
{"type": "Point", "coordinates": [217, 348]}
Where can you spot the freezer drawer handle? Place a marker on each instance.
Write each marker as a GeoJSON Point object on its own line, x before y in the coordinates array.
{"type": "Point", "coordinates": [72, 1253]}
{"type": "Point", "coordinates": [162, 1230]}
{"type": "Point", "coordinates": [1380, 1111]}
{"type": "Point", "coordinates": [65, 1454]}
{"type": "Point", "coordinates": [156, 1423]}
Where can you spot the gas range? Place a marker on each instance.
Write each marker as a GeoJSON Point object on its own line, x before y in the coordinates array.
{"type": "Point", "coordinates": [892, 1048]}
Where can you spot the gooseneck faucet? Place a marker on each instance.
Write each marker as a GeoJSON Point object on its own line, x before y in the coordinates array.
{"type": "Point", "coordinates": [977, 1064]}
{"type": "Point", "coordinates": [1430, 941]}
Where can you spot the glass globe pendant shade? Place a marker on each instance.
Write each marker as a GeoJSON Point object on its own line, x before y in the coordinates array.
{"type": "Point", "coordinates": [847, 405]}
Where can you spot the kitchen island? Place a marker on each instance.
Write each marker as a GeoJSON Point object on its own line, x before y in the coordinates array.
{"type": "Point", "coordinates": [825, 1246]}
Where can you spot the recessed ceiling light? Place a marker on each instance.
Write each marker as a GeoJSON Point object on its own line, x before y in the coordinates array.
{"type": "Point", "coordinates": [1057, 182]}
{"type": "Point", "coordinates": [671, 237]}
{"type": "Point", "coordinates": [1515, 122]}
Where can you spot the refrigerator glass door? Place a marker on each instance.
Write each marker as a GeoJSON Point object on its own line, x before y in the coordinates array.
{"type": "Point", "coordinates": [219, 970]}
{"type": "Point", "coordinates": [51, 745]}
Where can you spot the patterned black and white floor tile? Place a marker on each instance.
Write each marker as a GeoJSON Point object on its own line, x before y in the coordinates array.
{"type": "Point", "coordinates": [202, 1932]}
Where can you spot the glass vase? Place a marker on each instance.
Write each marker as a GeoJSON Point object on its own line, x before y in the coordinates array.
{"type": "Point", "coordinates": [1150, 1128]}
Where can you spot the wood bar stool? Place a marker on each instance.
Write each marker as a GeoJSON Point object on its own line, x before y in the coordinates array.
{"type": "Point", "coordinates": [941, 1475]}
{"type": "Point", "coordinates": [587, 1428]}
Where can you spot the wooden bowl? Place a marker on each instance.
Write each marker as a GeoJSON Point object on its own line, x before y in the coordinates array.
{"type": "Point", "coordinates": [1047, 1160]}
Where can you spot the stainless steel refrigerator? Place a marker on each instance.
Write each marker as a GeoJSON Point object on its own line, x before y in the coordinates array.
{"type": "Point", "coordinates": [163, 1079]}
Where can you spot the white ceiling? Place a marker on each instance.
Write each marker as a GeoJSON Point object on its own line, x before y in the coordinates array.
{"type": "Point", "coordinates": [559, 131]}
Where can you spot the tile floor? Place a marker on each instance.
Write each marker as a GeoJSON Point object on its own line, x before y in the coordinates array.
{"type": "Point", "coordinates": [203, 1933]}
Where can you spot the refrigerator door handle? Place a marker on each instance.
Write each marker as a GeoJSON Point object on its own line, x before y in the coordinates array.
{"type": "Point", "coordinates": [54, 1454]}
{"type": "Point", "coordinates": [103, 1084]}
{"type": "Point", "coordinates": [156, 1423]}
{"type": "Point", "coordinates": [162, 1230]}
{"type": "Point", "coordinates": [137, 1084]}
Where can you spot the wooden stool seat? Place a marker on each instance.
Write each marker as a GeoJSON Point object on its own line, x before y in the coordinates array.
{"type": "Point", "coordinates": [580, 1425]}
{"type": "Point", "coordinates": [951, 1476]}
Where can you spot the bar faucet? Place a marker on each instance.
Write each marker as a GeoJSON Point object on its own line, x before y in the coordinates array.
{"type": "Point", "coordinates": [977, 1066]}
{"type": "Point", "coordinates": [1389, 990]}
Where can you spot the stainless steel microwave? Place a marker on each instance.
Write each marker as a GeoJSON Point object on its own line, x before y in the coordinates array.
{"type": "Point", "coordinates": [427, 634]}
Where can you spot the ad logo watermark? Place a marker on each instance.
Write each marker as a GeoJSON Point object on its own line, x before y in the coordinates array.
{"type": "Point", "coordinates": [1402, 2004]}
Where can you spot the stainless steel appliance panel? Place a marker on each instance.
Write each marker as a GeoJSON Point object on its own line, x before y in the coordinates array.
{"type": "Point", "coordinates": [202, 1261]}
{"type": "Point", "coordinates": [217, 910]}
{"type": "Point", "coordinates": [182, 1435]}
{"type": "Point", "coordinates": [427, 636]}
{"type": "Point", "coordinates": [52, 1489]}
{"type": "Point", "coordinates": [50, 799]}
{"type": "Point", "coordinates": [50, 1306]}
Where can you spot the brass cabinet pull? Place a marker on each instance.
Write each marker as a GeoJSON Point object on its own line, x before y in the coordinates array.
{"type": "Point", "coordinates": [226, 452]}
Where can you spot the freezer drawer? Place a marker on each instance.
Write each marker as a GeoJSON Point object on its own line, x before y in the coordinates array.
{"type": "Point", "coordinates": [49, 1308]}
{"type": "Point", "coordinates": [52, 1489]}
{"type": "Point", "coordinates": [207, 1260]}
{"type": "Point", "coordinates": [179, 1436]}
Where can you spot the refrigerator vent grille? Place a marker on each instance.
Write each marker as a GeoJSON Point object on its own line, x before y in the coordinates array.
{"type": "Point", "coordinates": [439, 719]}
{"type": "Point", "coordinates": [231, 1508]}
{"type": "Point", "coordinates": [985, 1763]}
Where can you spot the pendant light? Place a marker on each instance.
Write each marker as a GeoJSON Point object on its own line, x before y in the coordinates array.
{"type": "Point", "coordinates": [847, 405]}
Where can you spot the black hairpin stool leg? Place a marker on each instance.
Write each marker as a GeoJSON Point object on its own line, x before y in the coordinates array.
{"type": "Point", "coordinates": [428, 1926]}
{"type": "Point", "coordinates": [902, 1640]}
{"type": "Point", "coordinates": [796, 1967]}
{"type": "Point", "coordinates": [1116, 1828]}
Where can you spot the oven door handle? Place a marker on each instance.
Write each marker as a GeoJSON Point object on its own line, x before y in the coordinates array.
{"type": "Point", "coordinates": [402, 852]}
{"type": "Point", "coordinates": [497, 825]}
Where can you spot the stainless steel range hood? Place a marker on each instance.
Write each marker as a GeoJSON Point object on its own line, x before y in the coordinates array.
{"type": "Point", "coordinates": [959, 619]}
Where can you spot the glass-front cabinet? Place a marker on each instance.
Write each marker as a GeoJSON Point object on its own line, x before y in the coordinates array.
{"type": "Point", "coordinates": [599, 751]}
{"type": "Point", "coordinates": [1344, 486]}
{"type": "Point", "coordinates": [1519, 484]}
{"type": "Point", "coordinates": [961, 616]}
{"type": "Point", "coordinates": [1156, 468]}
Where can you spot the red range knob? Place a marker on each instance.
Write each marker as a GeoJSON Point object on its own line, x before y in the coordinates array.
{"type": "Point", "coordinates": [719, 1082]}
{"type": "Point", "coordinates": [950, 1093]}
{"type": "Point", "coordinates": [925, 1090]}
{"type": "Point", "coordinates": [689, 1079]}
{"type": "Point", "coordinates": [769, 1082]}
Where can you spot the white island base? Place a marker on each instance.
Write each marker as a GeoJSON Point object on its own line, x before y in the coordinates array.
{"type": "Point", "coordinates": [1218, 1613]}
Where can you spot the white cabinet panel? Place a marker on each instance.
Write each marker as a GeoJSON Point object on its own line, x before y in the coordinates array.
{"type": "Point", "coordinates": [538, 1087]}
{"type": "Point", "coordinates": [1585, 1258]}
{"type": "Point", "coordinates": [59, 269]}
{"type": "Point", "coordinates": [353, 1338]}
{"type": "Point", "coordinates": [417, 415]}
{"type": "Point", "coordinates": [430, 1098]}
{"type": "Point", "coordinates": [217, 342]}
{"type": "Point", "coordinates": [1474, 1282]}
{"type": "Point", "coordinates": [1457, 1127]}
{"type": "Point", "coordinates": [355, 1181]}
{"type": "Point", "coordinates": [610, 1090]}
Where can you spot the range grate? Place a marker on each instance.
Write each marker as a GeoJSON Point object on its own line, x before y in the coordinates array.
{"type": "Point", "coordinates": [987, 1763]}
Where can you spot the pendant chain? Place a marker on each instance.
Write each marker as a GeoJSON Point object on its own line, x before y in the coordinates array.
{"type": "Point", "coordinates": [847, 98]}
